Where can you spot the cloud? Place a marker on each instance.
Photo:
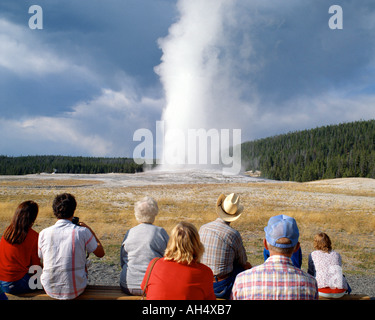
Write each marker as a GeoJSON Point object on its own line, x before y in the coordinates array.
{"type": "Point", "coordinates": [64, 90]}
{"type": "Point", "coordinates": [86, 82]}
{"type": "Point", "coordinates": [267, 67]}
{"type": "Point", "coordinates": [103, 126]}
{"type": "Point", "coordinates": [310, 112]}
{"type": "Point", "coordinates": [23, 53]}
{"type": "Point", "coordinates": [35, 78]}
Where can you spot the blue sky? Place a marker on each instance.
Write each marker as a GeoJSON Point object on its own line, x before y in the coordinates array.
{"type": "Point", "coordinates": [84, 83]}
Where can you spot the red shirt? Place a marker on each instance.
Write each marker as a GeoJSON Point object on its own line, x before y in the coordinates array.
{"type": "Point", "coordinates": [16, 259]}
{"type": "Point", "coordinates": [170, 280]}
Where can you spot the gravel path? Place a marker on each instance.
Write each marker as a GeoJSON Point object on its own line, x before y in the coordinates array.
{"type": "Point", "coordinates": [362, 284]}
{"type": "Point", "coordinates": [105, 274]}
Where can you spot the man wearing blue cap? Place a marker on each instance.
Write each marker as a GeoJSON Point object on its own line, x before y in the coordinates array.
{"type": "Point", "coordinates": [277, 278]}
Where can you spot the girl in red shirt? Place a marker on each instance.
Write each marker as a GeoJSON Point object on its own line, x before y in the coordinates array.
{"type": "Point", "coordinates": [180, 275]}
{"type": "Point", "coordinates": [19, 249]}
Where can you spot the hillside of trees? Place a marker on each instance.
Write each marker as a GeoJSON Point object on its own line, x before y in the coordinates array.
{"type": "Point", "coordinates": [335, 151]}
{"type": "Point", "coordinates": [65, 164]}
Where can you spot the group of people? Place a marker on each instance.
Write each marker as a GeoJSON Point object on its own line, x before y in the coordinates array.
{"type": "Point", "coordinates": [186, 265]}
{"type": "Point", "coordinates": [61, 250]}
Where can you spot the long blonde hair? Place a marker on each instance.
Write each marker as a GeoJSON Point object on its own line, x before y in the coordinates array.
{"type": "Point", "coordinates": [184, 245]}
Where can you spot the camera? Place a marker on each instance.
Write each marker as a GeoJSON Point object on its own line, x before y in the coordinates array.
{"type": "Point", "coordinates": [75, 220]}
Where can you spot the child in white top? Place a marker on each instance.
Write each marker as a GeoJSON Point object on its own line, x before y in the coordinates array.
{"type": "Point", "coordinates": [325, 265]}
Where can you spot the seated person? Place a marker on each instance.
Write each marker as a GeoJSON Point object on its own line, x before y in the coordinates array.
{"type": "Point", "coordinates": [277, 278]}
{"type": "Point", "coordinates": [296, 257]}
{"type": "Point", "coordinates": [326, 266]}
{"type": "Point", "coordinates": [64, 248]}
{"type": "Point", "coordinates": [224, 250]}
{"type": "Point", "coordinates": [19, 249]}
{"type": "Point", "coordinates": [180, 275]}
{"type": "Point", "coordinates": [140, 245]}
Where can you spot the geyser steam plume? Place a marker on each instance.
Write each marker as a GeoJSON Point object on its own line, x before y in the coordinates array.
{"type": "Point", "coordinates": [197, 74]}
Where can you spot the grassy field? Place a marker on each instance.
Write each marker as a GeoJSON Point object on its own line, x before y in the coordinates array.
{"type": "Point", "coordinates": [344, 209]}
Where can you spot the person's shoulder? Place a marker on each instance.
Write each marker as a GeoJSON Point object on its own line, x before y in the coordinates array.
{"type": "Point", "coordinates": [334, 252]}
{"type": "Point", "coordinates": [147, 228]}
{"type": "Point", "coordinates": [207, 225]}
{"type": "Point", "coordinates": [159, 229]}
{"type": "Point", "coordinates": [316, 253]}
{"type": "Point", "coordinates": [203, 267]}
{"type": "Point", "coordinates": [82, 233]}
{"type": "Point", "coordinates": [139, 226]}
{"type": "Point", "coordinates": [144, 226]}
{"type": "Point", "coordinates": [310, 278]}
{"type": "Point", "coordinates": [303, 273]}
{"type": "Point", "coordinates": [157, 232]}
{"type": "Point", "coordinates": [217, 224]}
{"type": "Point", "coordinates": [33, 233]}
{"type": "Point", "coordinates": [248, 274]}
{"type": "Point", "coordinates": [81, 229]}
{"type": "Point", "coordinates": [204, 270]}
{"type": "Point", "coordinates": [45, 233]}
{"type": "Point", "coordinates": [228, 229]}
{"type": "Point", "coordinates": [163, 233]}
{"type": "Point", "coordinates": [159, 260]}
{"type": "Point", "coordinates": [46, 230]}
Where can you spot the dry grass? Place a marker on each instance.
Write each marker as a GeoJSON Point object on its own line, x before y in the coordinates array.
{"type": "Point", "coordinates": [345, 213]}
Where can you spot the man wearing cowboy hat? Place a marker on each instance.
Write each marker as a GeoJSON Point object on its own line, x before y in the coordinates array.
{"type": "Point", "coordinates": [224, 251]}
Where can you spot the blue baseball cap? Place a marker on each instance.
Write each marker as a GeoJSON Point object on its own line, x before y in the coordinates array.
{"type": "Point", "coordinates": [282, 226]}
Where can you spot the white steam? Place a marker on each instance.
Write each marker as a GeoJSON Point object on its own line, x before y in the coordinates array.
{"type": "Point", "coordinates": [197, 73]}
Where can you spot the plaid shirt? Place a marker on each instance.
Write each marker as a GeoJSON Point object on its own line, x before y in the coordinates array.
{"type": "Point", "coordinates": [223, 247]}
{"type": "Point", "coordinates": [275, 279]}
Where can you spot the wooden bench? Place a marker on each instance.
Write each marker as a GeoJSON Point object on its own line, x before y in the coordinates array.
{"type": "Point", "coordinates": [97, 292]}
{"type": "Point", "coordinates": [349, 297]}
{"type": "Point", "coordinates": [91, 293]}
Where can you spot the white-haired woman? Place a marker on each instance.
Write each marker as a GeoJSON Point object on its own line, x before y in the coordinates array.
{"type": "Point", "coordinates": [141, 244]}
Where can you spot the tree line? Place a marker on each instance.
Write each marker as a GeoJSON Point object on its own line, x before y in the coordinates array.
{"type": "Point", "coordinates": [66, 164]}
{"type": "Point", "coordinates": [335, 151]}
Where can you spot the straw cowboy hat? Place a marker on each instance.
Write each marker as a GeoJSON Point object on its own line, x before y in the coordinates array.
{"type": "Point", "coordinates": [228, 207]}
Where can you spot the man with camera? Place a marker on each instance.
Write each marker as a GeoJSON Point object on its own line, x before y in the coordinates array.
{"type": "Point", "coordinates": [64, 248]}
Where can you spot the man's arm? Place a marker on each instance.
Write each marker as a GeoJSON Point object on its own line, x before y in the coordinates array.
{"type": "Point", "coordinates": [99, 251]}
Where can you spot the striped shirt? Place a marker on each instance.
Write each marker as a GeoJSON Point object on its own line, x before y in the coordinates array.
{"type": "Point", "coordinates": [223, 247]}
{"type": "Point", "coordinates": [63, 248]}
{"type": "Point", "coordinates": [276, 279]}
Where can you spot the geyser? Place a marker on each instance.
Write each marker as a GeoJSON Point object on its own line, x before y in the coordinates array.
{"type": "Point", "coordinates": [197, 87]}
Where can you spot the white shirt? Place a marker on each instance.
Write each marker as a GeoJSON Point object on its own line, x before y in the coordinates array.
{"type": "Point", "coordinates": [328, 269]}
{"type": "Point", "coordinates": [63, 248]}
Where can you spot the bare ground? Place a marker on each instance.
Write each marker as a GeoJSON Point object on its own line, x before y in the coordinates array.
{"type": "Point", "coordinates": [344, 208]}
